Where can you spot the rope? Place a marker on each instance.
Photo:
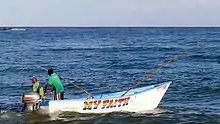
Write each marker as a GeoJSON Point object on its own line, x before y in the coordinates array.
{"type": "Point", "coordinates": [155, 71]}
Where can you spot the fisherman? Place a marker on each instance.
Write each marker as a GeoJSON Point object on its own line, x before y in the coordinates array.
{"type": "Point", "coordinates": [57, 86]}
{"type": "Point", "coordinates": [37, 87]}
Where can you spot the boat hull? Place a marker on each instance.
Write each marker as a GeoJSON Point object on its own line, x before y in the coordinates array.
{"type": "Point", "coordinates": [136, 100]}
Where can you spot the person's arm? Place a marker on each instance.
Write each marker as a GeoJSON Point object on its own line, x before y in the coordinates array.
{"type": "Point", "coordinates": [45, 89]}
{"type": "Point", "coordinates": [47, 85]}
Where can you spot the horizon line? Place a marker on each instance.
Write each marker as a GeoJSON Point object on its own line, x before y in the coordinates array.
{"type": "Point", "coordinates": [114, 26]}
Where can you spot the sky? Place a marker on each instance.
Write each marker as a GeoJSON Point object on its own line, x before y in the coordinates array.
{"type": "Point", "coordinates": [109, 13]}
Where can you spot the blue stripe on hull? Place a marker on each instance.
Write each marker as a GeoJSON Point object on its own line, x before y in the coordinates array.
{"type": "Point", "coordinates": [45, 103]}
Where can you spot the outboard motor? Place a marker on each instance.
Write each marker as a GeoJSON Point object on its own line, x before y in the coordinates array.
{"type": "Point", "coordinates": [31, 100]}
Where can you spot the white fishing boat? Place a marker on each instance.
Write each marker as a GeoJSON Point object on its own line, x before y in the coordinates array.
{"type": "Point", "coordinates": [136, 100]}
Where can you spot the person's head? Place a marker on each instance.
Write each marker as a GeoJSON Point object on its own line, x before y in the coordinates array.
{"type": "Point", "coordinates": [34, 79]}
{"type": "Point", "coordinates": [50, 71]}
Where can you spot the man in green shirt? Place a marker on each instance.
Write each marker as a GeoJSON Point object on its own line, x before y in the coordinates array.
{"type": "Point", "coordinates": [57, 85]}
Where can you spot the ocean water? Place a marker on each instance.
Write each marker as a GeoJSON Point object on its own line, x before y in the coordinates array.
{"type": "Point", "coordinates": [106, 60]}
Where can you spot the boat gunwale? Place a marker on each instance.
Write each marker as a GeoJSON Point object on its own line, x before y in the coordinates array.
{"type": "Point", "coordinates": [135, 91]}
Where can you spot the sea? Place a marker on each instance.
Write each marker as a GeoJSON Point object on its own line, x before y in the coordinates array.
{"type": "Point", "coordinates": [105, 60]}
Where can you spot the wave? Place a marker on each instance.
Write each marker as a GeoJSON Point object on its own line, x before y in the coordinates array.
{"type": "Point", "coordinates": [9, 114]}
{"type": "Point", "coordinates": [110, 49]}
{"type": "Point", "coordinates": [20, 69]}
{"type": "Point", "coordinates": [202, 56]}
{"type": "Point", "coordinates": [209, 89]}
{"type": "Point", "coordinates": [18, 29]}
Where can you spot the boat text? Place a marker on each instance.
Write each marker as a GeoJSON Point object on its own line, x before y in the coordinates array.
{"type": "Point", "coordinates": [109, 103]}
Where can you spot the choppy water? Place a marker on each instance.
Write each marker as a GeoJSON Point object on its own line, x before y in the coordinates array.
{"type": "Point", "coordinates": [105, 60]}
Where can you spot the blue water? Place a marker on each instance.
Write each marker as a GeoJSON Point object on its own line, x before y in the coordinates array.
{"type": "Point", "coordinates": [106, 60]}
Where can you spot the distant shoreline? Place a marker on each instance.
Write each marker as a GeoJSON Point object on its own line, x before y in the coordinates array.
{"type": "Point", "coordinates": [11, 27]}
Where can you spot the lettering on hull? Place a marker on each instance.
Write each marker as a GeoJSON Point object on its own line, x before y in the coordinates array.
{"type": "Point", "coordinates": [161, 88]}
{"type": "Point", "coordinates": [105, 104]}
